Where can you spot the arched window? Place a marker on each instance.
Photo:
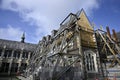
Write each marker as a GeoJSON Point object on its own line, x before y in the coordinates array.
{"type": "Point", "coordinates": [90, 61]}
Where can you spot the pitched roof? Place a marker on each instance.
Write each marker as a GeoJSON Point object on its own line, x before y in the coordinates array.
{"type": "Point", "coordinates": [17, 45]}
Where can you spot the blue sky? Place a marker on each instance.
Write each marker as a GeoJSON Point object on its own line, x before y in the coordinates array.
{"type": "Point", "coordinates": [38, 17]}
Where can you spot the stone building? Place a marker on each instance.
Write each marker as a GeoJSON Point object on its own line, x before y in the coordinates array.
{"type": "Point", "coordinates": [69, 53]}
{"type": "Point", "coordinates": [14, 56]}
{"type": "Point", "coordinates": [75, 52]}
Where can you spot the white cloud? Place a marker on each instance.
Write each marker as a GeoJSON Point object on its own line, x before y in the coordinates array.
{"type": "Point", "coordinates": [10, 33]}
{"type": "Point", "coordinates": [47, 14]}
{"type": "Point", "coordinates": [15, 33]}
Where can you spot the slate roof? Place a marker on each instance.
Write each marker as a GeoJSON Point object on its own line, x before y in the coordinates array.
{"type": "Point", "coordinates": [17, 45]}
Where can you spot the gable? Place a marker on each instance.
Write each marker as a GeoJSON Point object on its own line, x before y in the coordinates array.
{"type": "Point", "coordinates": [83, 21]}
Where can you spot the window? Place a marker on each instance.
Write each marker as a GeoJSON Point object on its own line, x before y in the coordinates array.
{"type": "Point", "coordinates": [90, 60]}
{"type": "Point", "coordinates": [16, 54]}
{"type": "Point", "coordinates": [7, 53]}
{"type": "Point", "coordinates": [14, 67]}
{"type": "Point", "coordinates": [4, 67]}
{"type": "Point", "coordinates": [0, 52]}
{"type": "Point", "coordinates": [93, 63]}
{"type": "Point", "coordinates": [25, 55]}
{"type": "Point", "coordinates": [23, 66]}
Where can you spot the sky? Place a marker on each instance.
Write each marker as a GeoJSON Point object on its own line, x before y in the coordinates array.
{"type": "Point", "coordinates": [37, 18]}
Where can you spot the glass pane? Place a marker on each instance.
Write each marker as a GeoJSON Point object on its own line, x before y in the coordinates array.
{"type": "Point", "coordinates": [0, 52]}
{"type": "Point", "coordinates": [6, 67]}
{"type": "Point", "coordinates": [5, 55]}
{"type": "Point", "coordinates": [8, 53]}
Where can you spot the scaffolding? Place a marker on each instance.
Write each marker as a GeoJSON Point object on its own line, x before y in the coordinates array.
{"type": "Point", "coordinates": [109, 50]}
{"type": "Point", "coordinates": [73, 52]}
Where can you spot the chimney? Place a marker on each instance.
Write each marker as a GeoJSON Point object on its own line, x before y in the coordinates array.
{"type": "Point", "coordinates": [48, 37]}
{"type": "Point", "coordinates": [115, 35]}
{"type": "Point", "coordinates": [108, 31]}
{"type": "Point", "coordinates": [44, 38]}
{"type": "Point", "coordinates": [54, 32]}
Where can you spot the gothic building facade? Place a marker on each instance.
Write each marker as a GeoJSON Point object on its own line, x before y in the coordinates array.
{"type": "Point", "coordinates": [14, 56]}
{"type": "Point", "coordinates": [70, 53]}
{"type": "Point", "coordinates": [75, 52]}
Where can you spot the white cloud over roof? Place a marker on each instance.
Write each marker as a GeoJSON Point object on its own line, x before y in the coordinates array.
{"type": "Point", "coordinates": [46, 15]}
{"type": "Point", "coordinates": [10, 33]}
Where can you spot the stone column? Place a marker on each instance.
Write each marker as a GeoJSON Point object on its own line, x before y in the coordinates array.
{"type": "Point", "coordinates": [20, 60]}
{"type": "Point", "coordinates": [26, 72]}
{"type": "Point", "coordinates": [3, 51]}
{"type": "Point", "coordinates": [29, 56]}
{"type": "Point", "coordinates": [11, 61]}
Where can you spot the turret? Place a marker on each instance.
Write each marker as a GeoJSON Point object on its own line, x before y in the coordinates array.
{"type": "Point", "coordinates": [23, 38]}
